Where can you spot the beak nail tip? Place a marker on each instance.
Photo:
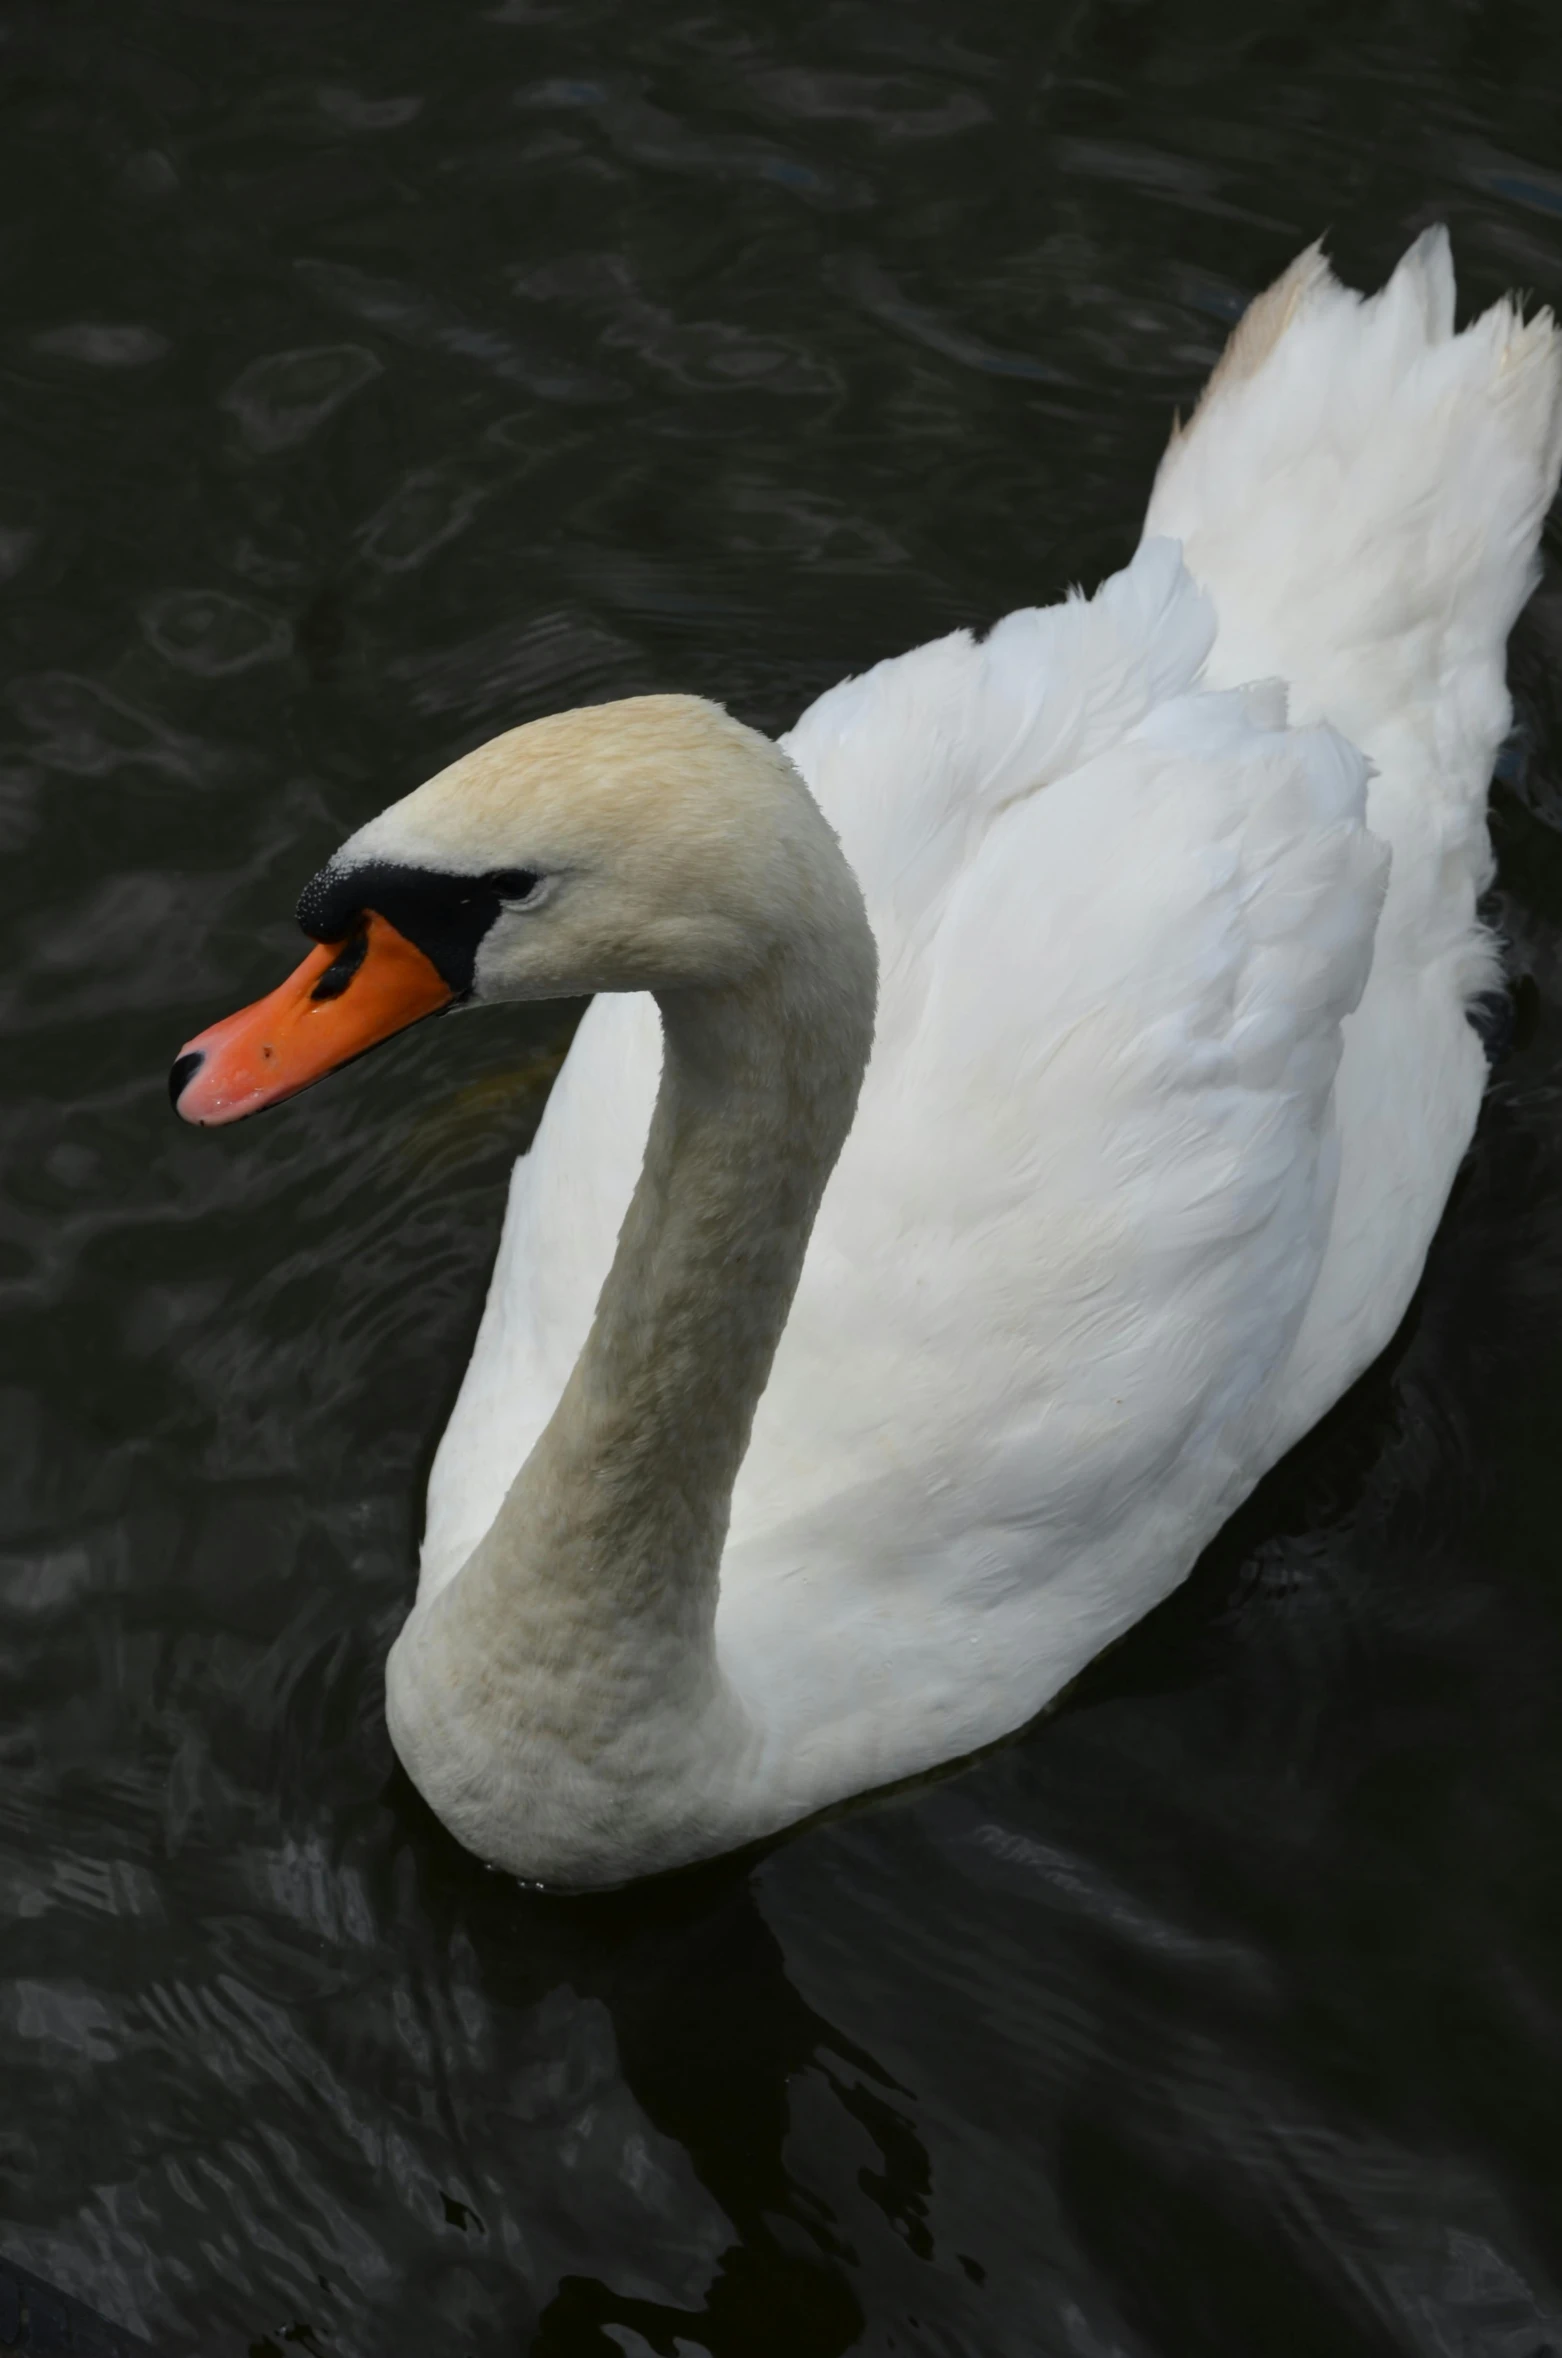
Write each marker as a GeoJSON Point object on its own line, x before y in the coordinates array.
{"type": "Point", "coordinates": [185, 1068]}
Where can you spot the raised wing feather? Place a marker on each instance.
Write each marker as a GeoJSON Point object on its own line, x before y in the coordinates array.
{"type": "Point", "coordinates": [913, 761]}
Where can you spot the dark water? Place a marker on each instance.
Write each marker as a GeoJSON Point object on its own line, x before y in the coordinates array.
{"type": "Point", "coordinates": [374, 378]}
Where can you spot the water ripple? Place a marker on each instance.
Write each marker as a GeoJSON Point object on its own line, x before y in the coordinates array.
{"type": "Point", "coordinates": [378, 380]}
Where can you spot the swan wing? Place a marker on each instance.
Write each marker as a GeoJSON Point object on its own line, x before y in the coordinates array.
{"type": "Point", "coordinates": [566, 1203]}
{"type": "Point", "coordinates": [1070, 1241]}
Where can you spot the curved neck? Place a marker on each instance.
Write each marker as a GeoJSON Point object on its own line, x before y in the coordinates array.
{"type": "Point", "coordinates": [596, 1585]}
{"type": "Point", "coordinates": [636, 1467]}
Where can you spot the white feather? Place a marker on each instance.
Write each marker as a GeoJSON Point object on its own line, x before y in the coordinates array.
{"type": "Point", "coordinates": [1166, 1097]}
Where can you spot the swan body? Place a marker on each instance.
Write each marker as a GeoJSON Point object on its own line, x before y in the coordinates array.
{"type": "Point", "coordinates": [1019, 1105]}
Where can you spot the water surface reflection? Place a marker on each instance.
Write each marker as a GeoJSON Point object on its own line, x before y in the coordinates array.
{"type": "Point", "coordinates": [375, 381]}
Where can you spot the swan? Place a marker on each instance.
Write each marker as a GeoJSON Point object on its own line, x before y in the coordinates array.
{"type": "Point", "coordinates": [1014, 1107]}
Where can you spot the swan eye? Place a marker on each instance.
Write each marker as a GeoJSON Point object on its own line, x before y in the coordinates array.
{"type": "Point", "coordinates": [514, 885]}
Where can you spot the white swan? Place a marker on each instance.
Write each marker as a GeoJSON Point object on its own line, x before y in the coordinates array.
{"type": "Point", "coordinates": [1170, 1076]}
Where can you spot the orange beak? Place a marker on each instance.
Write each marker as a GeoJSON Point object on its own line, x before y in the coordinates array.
{"type": "Point", "coordinates": [346, 997]}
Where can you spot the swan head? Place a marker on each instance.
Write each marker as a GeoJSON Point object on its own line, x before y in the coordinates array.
{"type": "Point", "coordinates": [655, 844]}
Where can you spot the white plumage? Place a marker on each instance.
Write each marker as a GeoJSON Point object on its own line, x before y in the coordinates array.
{"type": "Point", "coordinates": [1165, 1096]}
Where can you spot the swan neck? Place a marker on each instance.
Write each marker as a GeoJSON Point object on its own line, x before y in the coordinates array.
{"type": "Point", "coordinates": [652, 1427]}
{"type": "Point", "coordinates": [604, 1559]}
{"type": "Point", "coordinates": [560, 1701]}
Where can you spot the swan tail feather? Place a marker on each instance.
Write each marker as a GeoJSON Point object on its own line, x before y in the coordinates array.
{"type": "Point", "coordinates": [1257, 333]}
{"type": "Point", "coordinates": [1361, 490]}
